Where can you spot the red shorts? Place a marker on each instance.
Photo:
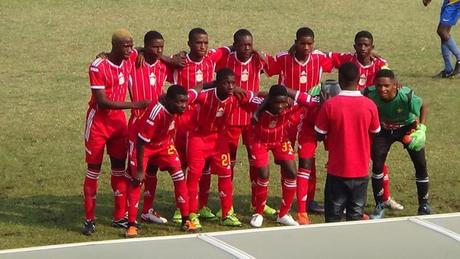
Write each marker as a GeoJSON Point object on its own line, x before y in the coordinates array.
{"type": "Point", "coordinates": [164, 157]}
{"type": "Point", "coordinates": [282, 151]}
{"type": "Point", "coordinates": [101, 130]}
{"type": "Point", "coordinates": [212, 148]}
{"type": "Point", "coordinates": [233, 133]}
{"type": "Point", "coordinates": [307, 142]}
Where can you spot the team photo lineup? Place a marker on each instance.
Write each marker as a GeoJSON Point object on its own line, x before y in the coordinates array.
{"type": "Point", "coordinates": [192, 129]}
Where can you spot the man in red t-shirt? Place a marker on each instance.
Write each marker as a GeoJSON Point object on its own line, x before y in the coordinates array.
{"type": "Point", "coordinates": [106, 126]}
{"type": "Point", "coordinates": [368, 66]}
{"type": "Point", "coordinates": [348, 121]}
{"type": "Point", "coordinates": [151, 143]}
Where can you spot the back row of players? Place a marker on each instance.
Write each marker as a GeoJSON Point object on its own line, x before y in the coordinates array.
{"type": "Point", "coordinates": [205, 137]}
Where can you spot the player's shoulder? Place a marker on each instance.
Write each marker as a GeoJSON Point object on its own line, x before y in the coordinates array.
{"type": "Point", "coordinates": [97, 63]}
{"type": "Point", "coordinates": [282, 54]}
{"type": "Point", "coordinates": [380, 61]}
{"type": "Point", "coordinates": [318, 53]}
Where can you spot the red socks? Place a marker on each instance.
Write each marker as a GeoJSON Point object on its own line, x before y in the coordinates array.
{"type": "Point", "coordinates": [288, 187]}
{"type": "Point", "coordinates": [149, 192]}
{"type": "Point", "coordinates": [261, 193]}
{"type": "Point", "coordinates": [89, 192]}
{"type": "Point", "coordinates": [303, 177]}
{"type": "Point", "coordinates": [386, 183]}
{"type": "Point", "coordinates": [119, 188]}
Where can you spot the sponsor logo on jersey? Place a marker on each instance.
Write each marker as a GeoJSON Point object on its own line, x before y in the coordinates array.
{"type": "Point", "coordinates": [121, 79]}
{"type": "Point", "coordinates": [153, 79]}
{"type": "Point", "coordinates": [272, 124]}
{"type": "Point", "coordinates": [245, 75]}
{"type": "Point", "coordinates": [199, 76]}
{"type": "Point", "coordinates": [303, 77]}
{"type": "Point", "coordinates": [220, 112]}
{"type": "Point", "coordinates": [362, 79]}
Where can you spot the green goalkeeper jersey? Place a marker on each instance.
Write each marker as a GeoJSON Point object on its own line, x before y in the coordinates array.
{"type": "Point", "coordinates": [401, 111]}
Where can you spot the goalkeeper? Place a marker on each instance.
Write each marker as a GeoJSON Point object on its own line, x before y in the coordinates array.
{"type": "Point", "coordinates": [402, 117]}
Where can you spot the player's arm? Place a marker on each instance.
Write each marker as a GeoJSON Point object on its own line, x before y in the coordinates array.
{"type": "Point", "coordinates": [303, 99]}
{"type": "Point", "coordinates": [322, 123]}
{"type": "Point", "coordinates": [423, 113]}
{"type": "Point", "coordinates": [104, 103]}
{"type": "Point", "coordinates": [140, 175]}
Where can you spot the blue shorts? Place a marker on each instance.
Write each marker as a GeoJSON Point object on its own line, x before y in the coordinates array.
{"type": "Point", "coordinates": [449, 13]}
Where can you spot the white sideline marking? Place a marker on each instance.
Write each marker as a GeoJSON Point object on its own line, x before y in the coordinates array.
{"type": "Point", "coordinates": [436, 228]}
{"type": "Point", "coordinates": [233, 232]}
{"type": "Point", "coordinates": [224, 246]}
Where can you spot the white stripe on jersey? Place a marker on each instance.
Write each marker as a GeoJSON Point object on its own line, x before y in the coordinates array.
{"type": "Point", "coordinates": [89, 122]}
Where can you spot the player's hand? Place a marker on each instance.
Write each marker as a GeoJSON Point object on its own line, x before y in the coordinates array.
{"type": "Point", "coordinates": [254, 118]}
{"type": "Point", "coordinates": [261, 55]}
{"type": "Point", "coordinates": [103, 55]}
{"type": "Point", "coordinates": [141, 104]}
{"type": "Point", "coordinates": [418, 138]}
{"type": "Point", "coordinates": [399, 85]}
{"type": "Point", "coordinates": [375, 54]}
{"type": "Point", "coordinates": [140, 61]}
{"type": "Point", "coordinates": [239, 93]}
{"type": "Point", "coordinates": [138, 178]}
{"type": "Point", "coordinates": [291, 50]}
{"type": "Point", "coordinates": [178, 60]}
{"type": "Point", "coordinates": [426, 2]}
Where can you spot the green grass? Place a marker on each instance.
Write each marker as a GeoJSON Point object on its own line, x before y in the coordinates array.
{"type": "Point", "coordinates": [46, 47]}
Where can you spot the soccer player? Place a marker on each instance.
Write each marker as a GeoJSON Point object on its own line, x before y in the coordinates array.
{"type": "Point", "coordinates": [301, 69]}
{"type": "Point", "coordinates": [368, 66]}
{"type": "Point", "coordinates": [151, 142]}
{"type": "Point", "coordinates": [198, 69]}
{"type": "Point", "coordinates": [347, 120]}
{"type": "Point", "coordinates": [207, 143]}
{"type": "Point", "coordinates": [247, 65]}
{"type": "Point", "coordinates": [106, 126]}
{"type": "Point", "coordinates": [401, 113]}
{"type": "Point", "coordinates": [269, 134]}
{"type": "Point", "coordinates": [148, 84]}
{"type": "Point", "coordinates": [450, 12]}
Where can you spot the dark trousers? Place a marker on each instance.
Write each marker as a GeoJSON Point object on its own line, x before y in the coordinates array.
{"type": "Point", "coordinates": [379, 151]}
{"type": "Point", "coordinates": [341, 193]}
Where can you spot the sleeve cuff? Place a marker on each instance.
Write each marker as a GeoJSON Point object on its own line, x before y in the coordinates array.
{"type": "Point", "coordinates": [323, 131]}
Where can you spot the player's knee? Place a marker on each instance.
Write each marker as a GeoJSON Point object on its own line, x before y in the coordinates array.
{"type": "Point", "coordinates": [306, 163]}
{"type": "Point", "coordinates": [263, 173]}
{"type": "Point", "coordinates": [443, 33]}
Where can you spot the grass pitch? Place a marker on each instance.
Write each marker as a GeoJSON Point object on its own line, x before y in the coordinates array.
{"type": "Point", "coordinates": [47, 46]}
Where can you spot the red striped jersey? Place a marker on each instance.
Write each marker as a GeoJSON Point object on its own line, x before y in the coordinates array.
{"type": "Point", "coordinates": [212, 114]}
{"type": "Point", "coordinates": [297, 75]}
{"type": "Point", "coordinates": [196, 73]}
{"type": "Point", "coordinates": [272, 128]}
{"type": "Point", "coordinates": [247, 76]}
{"type": "Point", "coordinates": [366, 73]}
{"type": "Point", "coordinates": [148, 83]}
{"type": "Point", "coordinates": [105, 75]}
{"type": "Point", "coordinates": [156, 125]}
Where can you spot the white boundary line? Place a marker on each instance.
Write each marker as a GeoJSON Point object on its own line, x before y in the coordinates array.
{"type": "Point", "coordinates": [225, 247]}
{"type": "Point", "coordinates": [436, 228]}
{"type": "Point", "coordinates": [233, 232]}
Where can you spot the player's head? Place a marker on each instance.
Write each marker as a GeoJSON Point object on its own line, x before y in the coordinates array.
{"type": "Point", "coordinates": [348, 76]}
{"type": "Point", "coordinates": [225, 82]}
{"type": "Point", "coordinates": [364, 44]}
{"type": "Point", "coordinates": [198, 42]}
{"type": "Point", "coordinates": [304, 42]}
{"type": "Point", "coordinates": [122, 43]}
{"type": "Point", "coordinates": [242, 42]}
{"type": "Point", "coordinates": [277, 99]}
{"type": "Point", "coordinates": [176, 99]}
{"type": "Point", "coordinates": [153, 44]}
{"type": "Point", "coordinates": [385, 84]}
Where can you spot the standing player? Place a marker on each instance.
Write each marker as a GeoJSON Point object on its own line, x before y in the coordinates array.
{"type": "Point", "coordinates": [368, 66]}
{"type": "Point", "coordinates": [106, 126]}
{"type": "Point", "coordinates": [198, 69]}
{"type": "Point", "coordinates": [348, 120]}
{"type": "Point", "coordinates": [207, 143]}
{"type": "Point", "coordinates": [247, 65]}
{"type": "Point", "coordinates": [450, 12]}
{"type": "Point", "coordinates": [151, 143]}
{"type": "Point", "coordinates": [301, 71]}
{"type": "Point", "coordinates": [269, 134]}
{"type": "Point", "coordinates": [401, 113]}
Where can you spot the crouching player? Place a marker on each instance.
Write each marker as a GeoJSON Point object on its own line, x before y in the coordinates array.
{"type": "Point", "coordinates": [151, 142]}
{"type": "Point", "coordinates": [270, 134]}
{"type": "Point", "coordinates": [402, 117]}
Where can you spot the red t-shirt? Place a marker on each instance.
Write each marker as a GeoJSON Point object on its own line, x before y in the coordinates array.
{"type": "Point", "coordinates": [247, 76]}
{"type": "Point", "coordinates": [296, 75]}
{"type": "Point", "coordinates": [148, 83]}
{"type": "Point", "coordinates": [366, 73]}
{"type": "Point", "coordinates": [105, 75]}
{"type": "Point", "coordinates": [196, 73]}
{"type": "Point", "coordinates": [212, 114]}
{"type": "Point", "coordinates": [347, 120]}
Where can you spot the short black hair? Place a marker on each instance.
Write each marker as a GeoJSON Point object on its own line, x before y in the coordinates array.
{"type": "Point", "coordinates": [195, 31]}
{"type": "Point", "coordinates": [277, 90]}
{"type": "Point", "coordinates": [241, 33]}
{"type": "Point", "coordinates": [223, 73]}
{"type": "Point", "coordinates": [152, 35]}
{"type": "Point", "coordinates": [385, 73]}
{"type": "Point", "coordinates": [364, 34]}
{"type": "Point", "coordinates": [348, 72]}
{"type": "Point", "coordinates": [304, 32]}
{"type": "Point", "coordinates": [175, 90]}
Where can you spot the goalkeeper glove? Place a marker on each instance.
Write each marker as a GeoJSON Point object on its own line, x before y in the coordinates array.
{"type": "Point", "coordinates": [418, 138]}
